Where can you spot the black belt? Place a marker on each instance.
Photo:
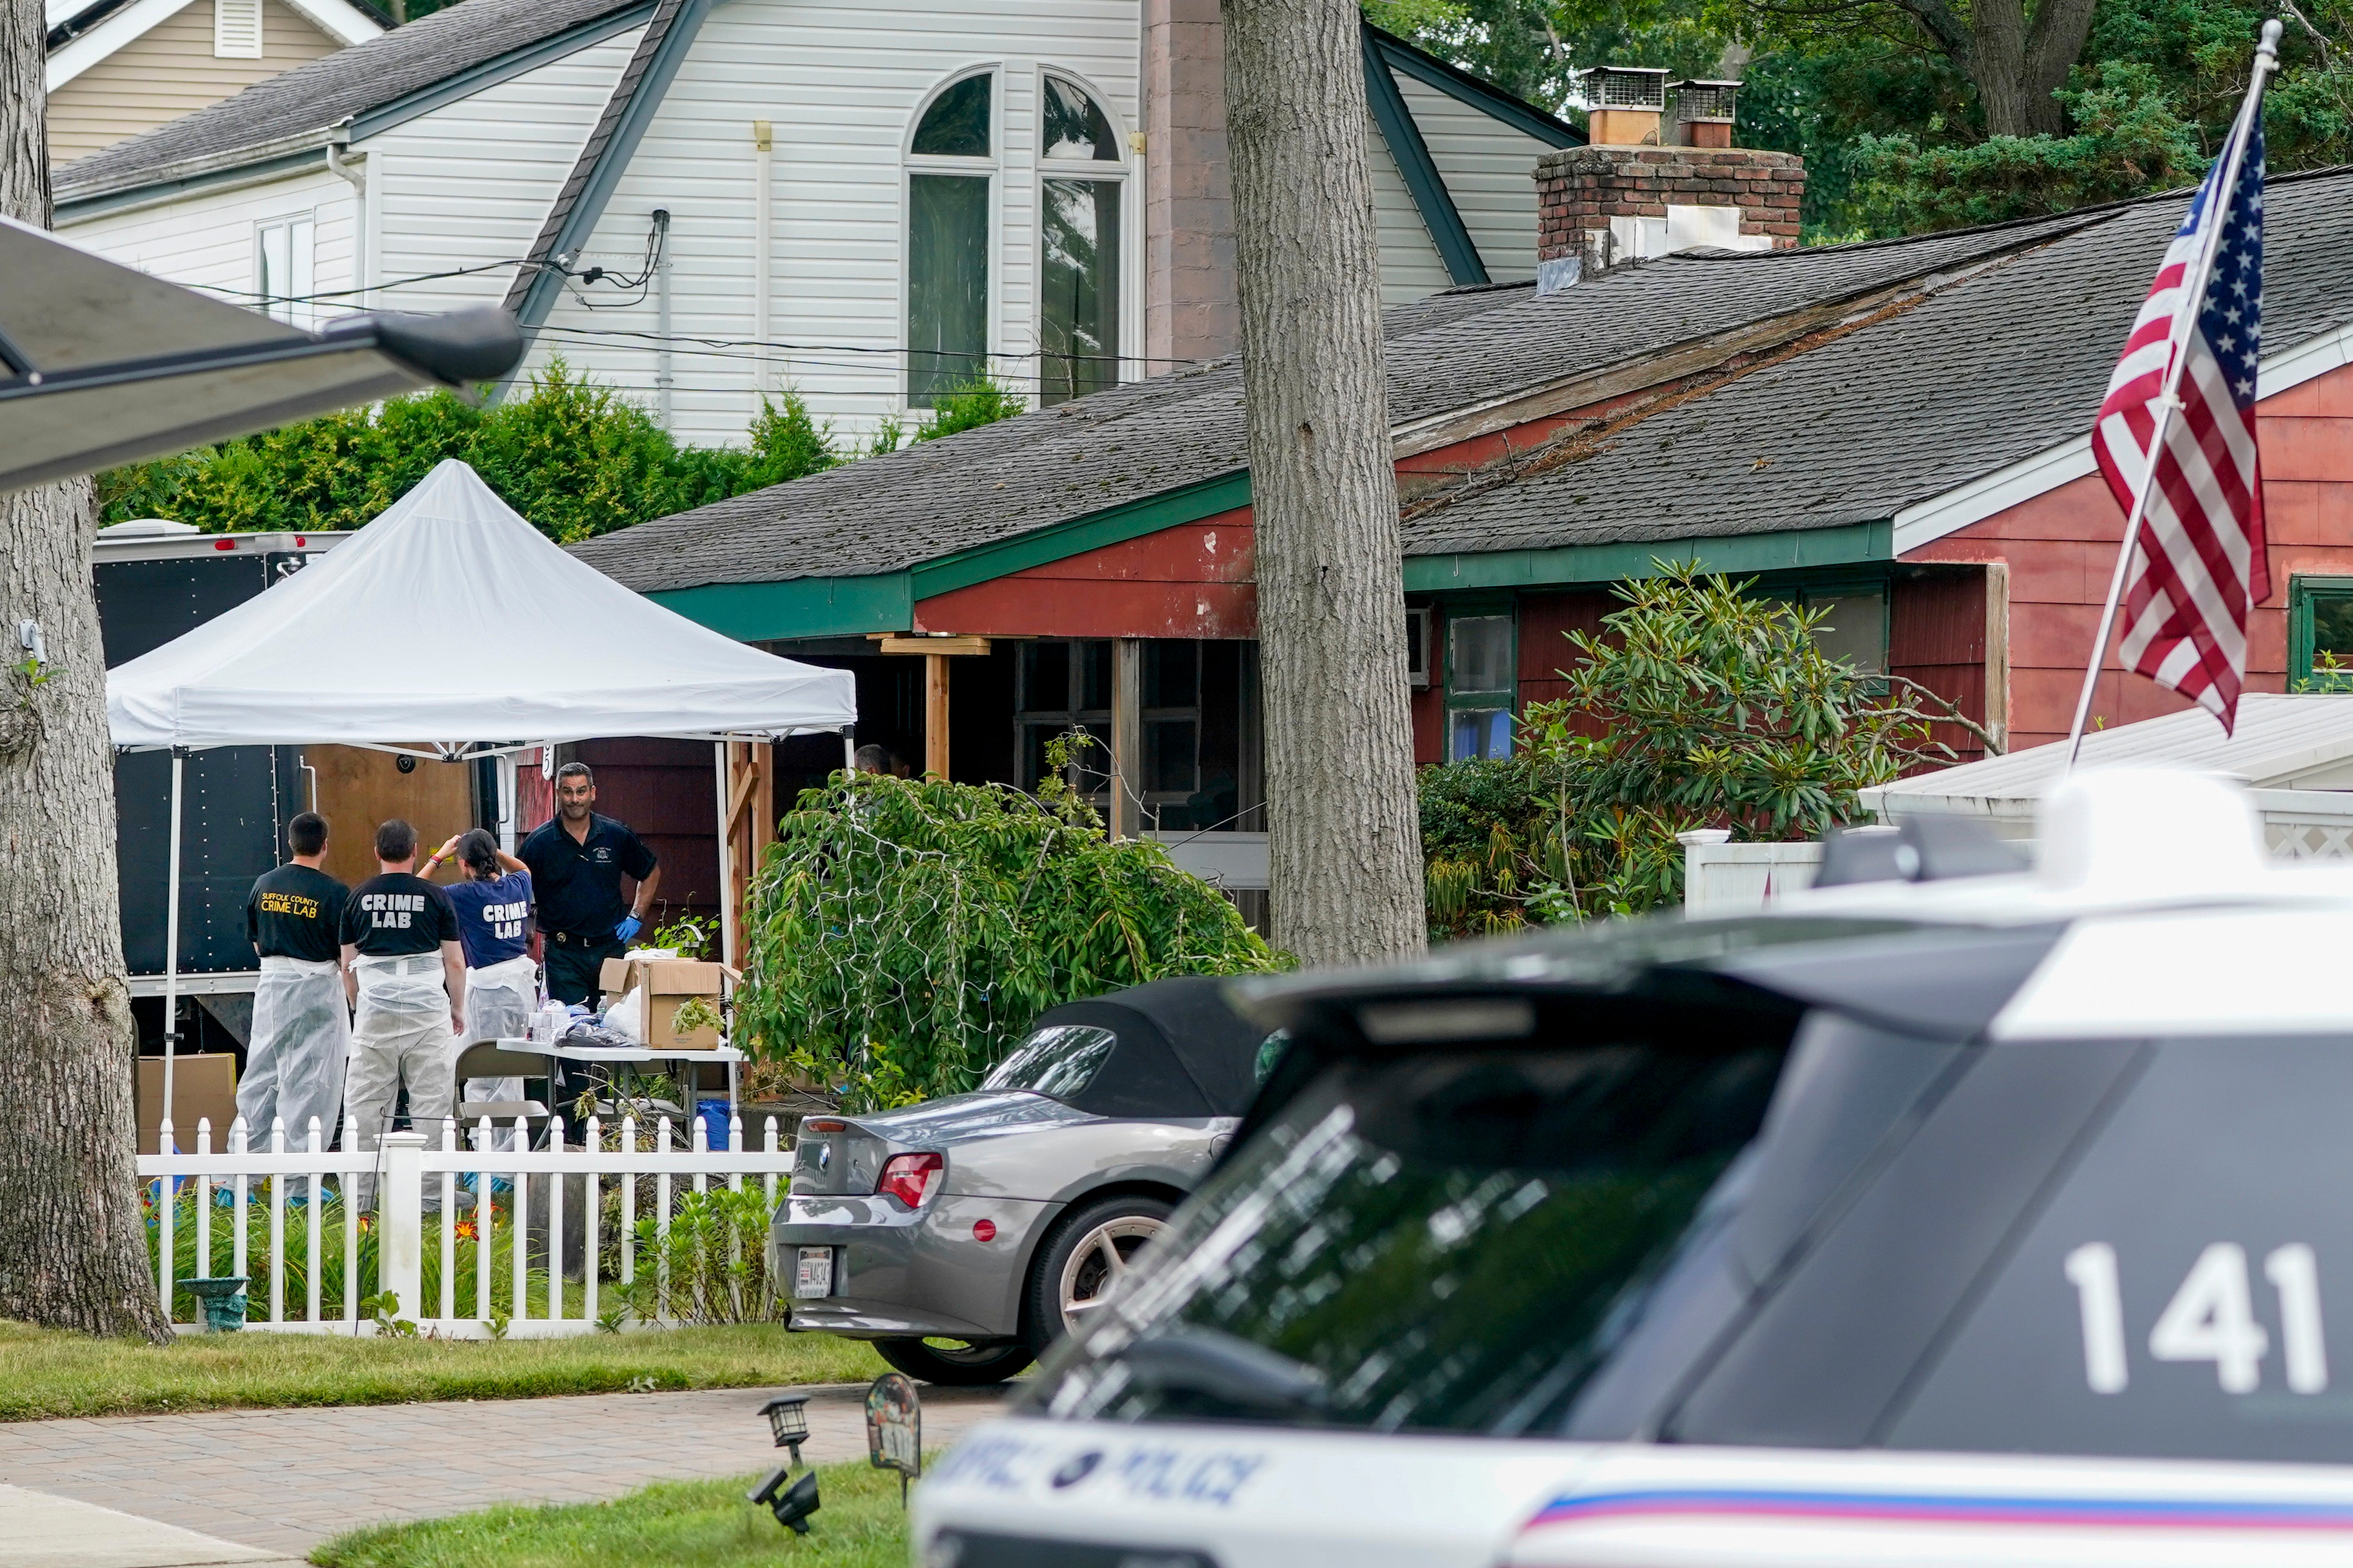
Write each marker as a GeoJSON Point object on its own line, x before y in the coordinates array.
{"type": "Point", "coordinates": [573, 939]}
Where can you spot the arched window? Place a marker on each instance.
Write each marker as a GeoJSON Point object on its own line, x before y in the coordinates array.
{"type": "Point", "coordinates": [950, 162]}
{"type": "Point", "coordinates": [1081, 170]}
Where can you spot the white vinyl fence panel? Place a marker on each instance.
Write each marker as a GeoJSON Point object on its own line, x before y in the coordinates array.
{"type": "Point", "coordinates": [1722, 879]}
{"type": "Point", "coordinates": [402, 1168]}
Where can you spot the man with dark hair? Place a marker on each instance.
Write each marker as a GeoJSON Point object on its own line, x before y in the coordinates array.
{"type": "Point", "coordinates": [301, 1028]}
{"type": "Point", "coordinates": [407, 973]}
{"type": "Point", "coordinates": [576, 862]}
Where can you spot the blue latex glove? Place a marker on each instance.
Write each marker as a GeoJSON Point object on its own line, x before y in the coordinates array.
{"type": "Point", "coordinates": [628, 927]}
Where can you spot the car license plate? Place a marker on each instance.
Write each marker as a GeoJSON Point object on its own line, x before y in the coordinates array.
{"type": "Point", "coordinates": [813, 1272]}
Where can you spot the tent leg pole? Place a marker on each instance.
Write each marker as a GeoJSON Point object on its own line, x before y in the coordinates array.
{"type": "Point", "coordinates": [726, 861]}
{"type": "Point", "coordinates": [849, 749]}
{"type": "Point", "coordinates": [172, 947]}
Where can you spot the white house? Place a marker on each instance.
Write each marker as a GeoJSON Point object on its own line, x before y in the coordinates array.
{"type": "Point", "coordinates": [696, 200]}
{"type": "Point", "coordinates": [117, 68]}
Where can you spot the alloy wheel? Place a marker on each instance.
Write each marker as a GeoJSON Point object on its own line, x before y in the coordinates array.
{"type": "Point", "coordinates": [1100, 1261]}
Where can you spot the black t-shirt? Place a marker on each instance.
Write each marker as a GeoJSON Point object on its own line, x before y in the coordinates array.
{"type": "Point", "coordinates": [395, 914]}
{"type": "Point", "coordinates": [296, 912]}
{"type": "Point", "coordinates": [579, 884]}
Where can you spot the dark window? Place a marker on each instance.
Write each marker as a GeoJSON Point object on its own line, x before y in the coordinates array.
{"type": "Point", "coordinates": [947, 284]}
{"type": "Point", "coordinates": [1058, 1060]}
{"type": "Point", "coordinates": [2320, 630]}
{"type": "Point", "coordinates": [957, 124]}
{"type": "Point", "coordinates": [2188, 1291]}
{"type": "Point", "coordinates": [947, 247]}
{"type": "Point", "coordinates": [1452, 1242]}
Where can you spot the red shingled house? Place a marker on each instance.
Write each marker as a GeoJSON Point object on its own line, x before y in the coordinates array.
{"type": "Point", "coordinates": [1895, 430]}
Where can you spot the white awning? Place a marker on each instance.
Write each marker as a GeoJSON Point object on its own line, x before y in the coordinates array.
{"type": "Point", "coordinates": [451, 622]}
{"type": "Point", "coordinates": [2302, 743]}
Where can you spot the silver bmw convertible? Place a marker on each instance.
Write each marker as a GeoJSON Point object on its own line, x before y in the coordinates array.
{"type": "Point", "coordinates": [963, 1235]}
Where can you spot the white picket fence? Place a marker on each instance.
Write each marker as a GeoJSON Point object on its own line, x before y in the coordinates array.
{"type": "Point", "coordinates": [401, 1168]}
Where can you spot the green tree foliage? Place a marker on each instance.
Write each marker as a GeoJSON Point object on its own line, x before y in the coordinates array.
{"type": "Point", "coordinates": [903, 933]}
{"type": "Point", "coordinates": [1702, 704]}
{"type": "Point", "coordinates": [577, 459]}
{"type": "Point", "coordinates": [1893, 134]}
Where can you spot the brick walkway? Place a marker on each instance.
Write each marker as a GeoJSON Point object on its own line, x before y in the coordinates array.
{"type": "Point", "coordinates": [288, 1479]}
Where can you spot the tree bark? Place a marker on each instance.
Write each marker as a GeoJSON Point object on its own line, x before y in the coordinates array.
{"type": "Point", "coordinates": [2016, 64]}
{"type": "Point", "coordinates": [73, 1248]}
{"type": "Point", "coordinates": [1345, 832]}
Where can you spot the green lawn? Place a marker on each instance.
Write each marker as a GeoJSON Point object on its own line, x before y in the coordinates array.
{"type": "Point", "coordinates": [680, 1524]}
{"type": "Point", "coordinates": [43, 1373]}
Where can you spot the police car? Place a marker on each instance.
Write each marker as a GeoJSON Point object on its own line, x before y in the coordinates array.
{"type": "Point", "coordinates": [2005, 1219]}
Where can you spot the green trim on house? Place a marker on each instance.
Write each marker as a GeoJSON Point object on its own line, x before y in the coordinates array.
{"type": "Point", "coordinates": [1792, 550]}
{"type": "Point", "coordinates": [1061, 541]}
{"type": "Point", "coordinates": [1483, 96]}
{"type": "Point", "coordinates": [803, 607]}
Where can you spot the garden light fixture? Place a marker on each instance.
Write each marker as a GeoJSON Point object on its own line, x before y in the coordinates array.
{"type": "Point", "coordinates": [792, 1505]}
{"type": "Point", "coordinates": [788, 1417]}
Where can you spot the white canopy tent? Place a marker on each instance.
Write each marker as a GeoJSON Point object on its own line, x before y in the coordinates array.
{"type": "Point", "coordinates": [451, 628]}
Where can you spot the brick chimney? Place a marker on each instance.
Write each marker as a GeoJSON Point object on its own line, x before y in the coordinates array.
{"type": "Point", "coordinates": [1600, 206]}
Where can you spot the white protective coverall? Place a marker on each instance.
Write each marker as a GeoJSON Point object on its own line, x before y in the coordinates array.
{"type": "Point", "coordinates": [400, 1035]}
{"type": "Point", "coordinates": [499, 1000]}
{"type": "Point", "coordinates": [294, 1061]}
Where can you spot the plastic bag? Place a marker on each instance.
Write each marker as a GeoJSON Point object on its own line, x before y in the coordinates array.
{"type": "Point", "coordinates": [627, 1016]}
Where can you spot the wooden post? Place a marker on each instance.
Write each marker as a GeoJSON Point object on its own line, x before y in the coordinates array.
{"type": "Point", "coordinates": [936, 715]}
{"type": "Point", "coordinates": [746, 824]}
{"type": "Point", "coordinates": [1127, 737]}
{"type": "Point", "coordinates": [1996, 650]}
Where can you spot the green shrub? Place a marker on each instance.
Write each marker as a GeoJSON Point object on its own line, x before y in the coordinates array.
{"type": "Point", "coordinates": [576, 459]}
{"type": "Point", "coordinates": [1701, 704]}
{"type": "Point", "coordinates": [903, 933]}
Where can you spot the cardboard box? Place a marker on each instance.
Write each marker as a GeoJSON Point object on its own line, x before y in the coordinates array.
{"type": "Point", "coordinates": [203, 1085]}
{"type": "Point", "coordinates": [669, 984]}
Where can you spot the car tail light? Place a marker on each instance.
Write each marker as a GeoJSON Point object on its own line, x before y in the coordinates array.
{"type": "Point", "coordinates": [909, 1178]}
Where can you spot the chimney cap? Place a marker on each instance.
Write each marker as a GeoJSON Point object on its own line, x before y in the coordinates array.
{"type": "Point", "coordinates": [1699, 100]}
{"type": "Point", "coordinates": [1627, 87]}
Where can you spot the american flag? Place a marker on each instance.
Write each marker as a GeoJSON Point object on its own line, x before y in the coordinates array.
{"type": "Point", "coordinates": [2199, 562]}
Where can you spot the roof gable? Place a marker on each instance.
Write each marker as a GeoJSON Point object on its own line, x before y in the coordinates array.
{"type": "Point", "coordinates": [462, 43]}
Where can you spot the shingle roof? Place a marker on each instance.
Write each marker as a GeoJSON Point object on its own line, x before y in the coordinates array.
{"type": "Point", "coordinates": [352, 80]}
{"type": "Point", "coordinates": [1138, 440]}
{"type": "Point", "coordinates": [1994, 368]}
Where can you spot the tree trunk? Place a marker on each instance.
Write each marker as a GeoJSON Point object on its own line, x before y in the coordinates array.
{"type": "Point", "coordinates": [73, 1248]}
{"type": "Point", "coordinates": [2016, 65]}
{"type": "Point", "coordinates": [1347, 837]}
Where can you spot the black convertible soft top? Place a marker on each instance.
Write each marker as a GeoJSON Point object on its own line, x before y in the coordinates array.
{"type": "Point", "coordinates": [1181, 1051]}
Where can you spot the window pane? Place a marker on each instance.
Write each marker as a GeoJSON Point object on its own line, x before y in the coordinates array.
{"type": "Point", "coordinates": [1075, 125]}
{"type": "Point", "coordinates": [947, 283]}
{"type": "Point", "coordinates": [1855, 629]}
{"type": "Point", "coordinates": [1169, 756]}
{"type": "Point", "coordinates": [2332, 633]}
{"type": "Point", "coordinates": [957, 124]}
{"type": "Point", "coordinates": [1171, 674]}
{"type": "Point", "coordinates": [1080, 284]}
{"type": "Point", "coordinates": [1457, 1241]}
{"type": "Point", "coordinates": [1094, 670]}
{"type": "Point", "coordinates": [1481, 732]}
{"type": "Point", "coordinates": [1058, 1060]}
{"type": "Point", "coordinates": [1482, 653]}
{"type": "Point", "coordinates": [1046, 677]}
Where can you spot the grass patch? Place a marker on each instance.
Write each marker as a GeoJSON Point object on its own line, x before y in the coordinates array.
{"type": "Point", "coordinates": [678, 1524]}
{"type": "Point", "coordinates": [45, 1374]}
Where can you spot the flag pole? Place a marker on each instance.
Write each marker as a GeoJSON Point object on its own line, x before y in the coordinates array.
{"type": "Point", "coordinates": [2168, 400]}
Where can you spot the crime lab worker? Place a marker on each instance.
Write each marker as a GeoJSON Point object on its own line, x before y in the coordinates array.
{"type": "Point", "coordinates": [494, 905]}
{"type": "Point", "coordinates": [302, 1020]}
{"type": "Point", "coordinates": [576, 861]}
{"type": "Point", "coordinates": [408, 977]}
